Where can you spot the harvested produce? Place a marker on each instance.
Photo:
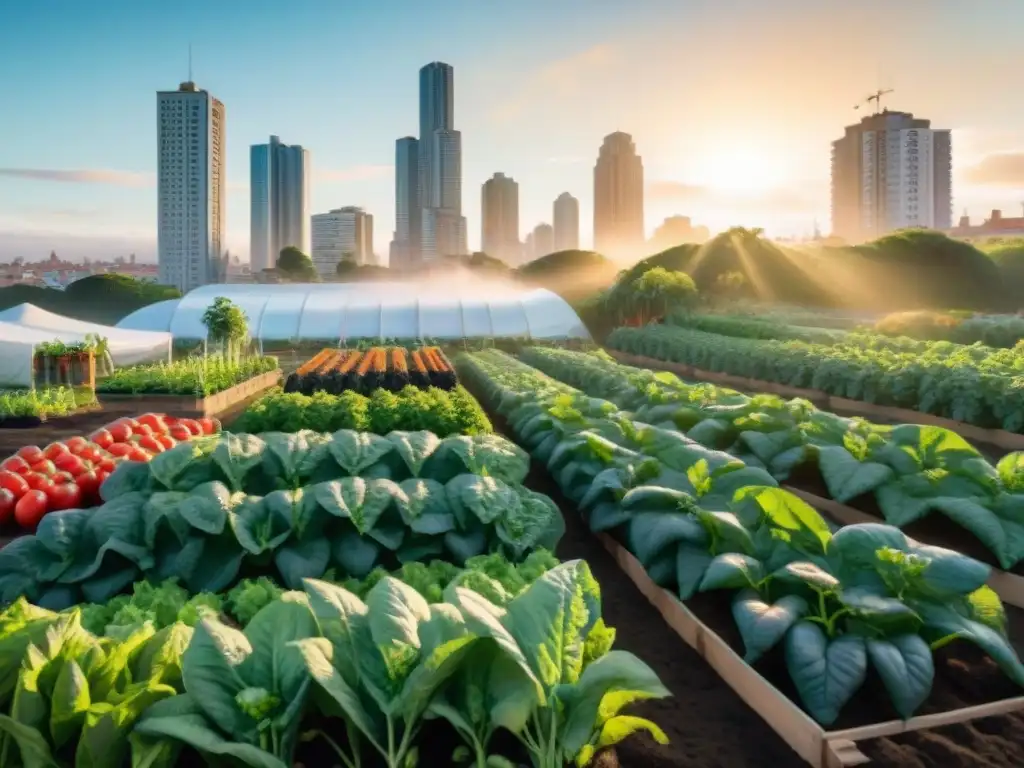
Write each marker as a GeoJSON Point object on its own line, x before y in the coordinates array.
{"type": "Point", "coordinates": [700, 520]}
{"type": "Point", "coordinates": [391, 368]}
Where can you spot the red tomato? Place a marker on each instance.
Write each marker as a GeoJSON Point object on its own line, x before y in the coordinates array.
{"type": "Point", "coordinates": [15, 464]}
{"type": "Point", "coordinates": [151, 444]}
{"type": "Point", "coordinates": [106, 465]}
{"type": "Point", "coordinates": [66, 496]}
{"type": "Point", "coordinates": [181, 433]}
{"type": "Point", "coordinates": [62, 478]}
{"type": "Point", "coordinates": [7, 505]}
{"type": "Point", "coordinates": [121, 433]}
{"type": "Point", "coordinates": [193, 426]}
{"type": "Point", "coordinates": [166, 441]}
{"type": "Point", "coordinates": [154, 421]}
{"type": "Point", "coordinates": [102, 438]}
{"type": "Point", "coordinates": [92, 453]}
{"type": "Point", "coordinates": [76, 445]}
{"type": "Point", "coordinates": [38, 482]}
{"type": "Point", "coordinates": [120, 449]}
{"type": "Point", "coordinates": [102, 475]}
{"type": "Point", "coordinates": [53, 450]}
{"type": "Point", "coordinates": [70, 463]}
{"type": "Point", "coordinates": [30, 509]}
{"type": "Point", "coordinates": [31, 454]}
{"type": "Point", "coordinates": [44, 467]}
{"type": "Point", "coordinates": [143, 430]}
{"type": "Point", "coordinates": [89, 482]}
{"type": "Point", "coordinates": [209, 426]}
{"type": "Point", "coordinates": [16, 484]}
{"type": "Point", "coordinates": [138, 454]}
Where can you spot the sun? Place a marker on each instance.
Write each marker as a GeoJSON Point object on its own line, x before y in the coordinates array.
{"type": "Point", "coordinates": [739, 169]}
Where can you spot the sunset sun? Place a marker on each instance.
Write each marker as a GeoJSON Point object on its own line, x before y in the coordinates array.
{"type": "Point", "coordinates": [739, 170]}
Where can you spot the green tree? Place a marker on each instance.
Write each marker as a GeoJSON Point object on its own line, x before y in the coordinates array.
{"type": "Point", "coordinates": [295, 265]}
{"type": "Point", "coordinates": [226, 325]}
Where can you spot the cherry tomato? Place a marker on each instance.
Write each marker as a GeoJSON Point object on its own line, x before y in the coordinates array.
{"type": "Point", "coordinates": [106, 465]}
{"type": "Point", "coordinates": [152, 444]}
{"type": "Point", "coordinates": [93, 453]}
{"type": "Point", "coordinates": [89, 482]}
{"type": "Point", "coordinates": [120, 449]}
{"type": "Point", "coordinates": [137, 454]}
{"type": "Point", "coordinates": [76, 445]}
{"type": "Point", "coordinates": [166, 441]}
{"type": "Point", "coordinates": [70, 463]}
{"type": "Point", "coordinates": [15, 464]}
{"type": "Point", "coordinates": [209, 426]}
{"type": "Point", "coordinates": [66, 496]}
{"type": "Point", "coordinates": [44, 467]}
{"type": "Point", "coordinates": [181, 433]}
{"type": "Point", "coordinates": [16, 484]}
{"type": "Point", "coordinates": [154, 421]}
{"type": "Point", "coordinates": [30, 509]}
{"type": "Point", "coordinates": [192, 425]}
{"type": "Point", "coordinates": [31, 454]}
{"type": "Point", "coordinates": [121, 433]}
{"type": "Point", "coordinates": [102, 438]}
{"type": "Point", "coordinates": [54, 450]}
{"type": "Point", "coordinates": [38, 482]}
{"type": "Point", "coordinates": [7, 504]}
{"type": "Point", "coordinates": [62, 478]}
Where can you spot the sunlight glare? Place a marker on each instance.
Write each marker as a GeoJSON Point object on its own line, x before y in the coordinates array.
{"type": "Point", "coordinates": [739, 169]}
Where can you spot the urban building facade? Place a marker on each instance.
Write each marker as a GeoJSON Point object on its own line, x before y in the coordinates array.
{"type": "Point", "coordinates": [190, 187]}
{"type": "Point", "coordinates": [279, 179]}
{"type": "Point", "coordinates": [344, 234]}
{"type": "Point", "coordinates": [889, 172]}
{"type": "Point", "coordinates": [405, 246]}
{"type": "Point", "coordinates": [676, 230]}
{"type": "Point", "coordinates": [619, 198]}
{"type": "Point", "coordinates": [567, 222]}
{"type": "Point", "coordinates": [541, 241]}
{"type": "Point", "coordinates": [499, 209]}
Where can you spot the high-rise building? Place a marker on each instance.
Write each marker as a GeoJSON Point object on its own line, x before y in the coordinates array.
{"type": "Point", "coordinates": [891, 171]}
{"type": "Point", "coordinates": [405, 246]}
{"type": "Point", "coordinates": [676, 230]}
{"type": "Point", "coordinates": [499, 209]}
{"type": "Point", "coordinates": [567, 222]}
{"type": "Point", "coordinates": [618, 198]}
{"type": "Point", "coordinates": [542, 241]}
{"type": "Point", "coordinates": [190, 187]}
{"type": "Point", "coordinates": [443, 228]}
{"type": "Point", "coordinates": [279, 188]}
{"type": "Point", "coordinates": [344, 234]}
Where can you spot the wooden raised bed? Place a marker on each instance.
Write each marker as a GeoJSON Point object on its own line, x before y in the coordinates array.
{"type": "Point", "coordinates": [817, 746]}
{"type": "Point", "coordinates": [180, 405]}
{"type": "Point", "coordinates": [1000, 438]}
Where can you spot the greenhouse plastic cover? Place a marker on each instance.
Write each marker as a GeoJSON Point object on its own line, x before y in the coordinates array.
{"type": "Point", "coordinates": [451, 308]}
{"type": "Point", "coordinates": [26, 325]}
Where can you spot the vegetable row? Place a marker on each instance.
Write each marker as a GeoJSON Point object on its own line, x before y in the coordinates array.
{"type": "Point", "coordinates": [39, 403]}
{"type": "Point", "coordinates": [412, 409]}
{"type": "Point", "coordinates": [68, 474]}
{"type": "Point", "coordinates": [199, 376]}
{"type": "Point", "coordinates": [391, 368]}
{"type": "Point", "coordinates": [287, 505]}
{"type": "Point", "coordinates": [352, 673]}
{"type": "Point", "coordinates": [833, 604]}
{"type": "Point", "coordinates": [977, 385]}
{"type": "Point", "coordinates": [910, 471]}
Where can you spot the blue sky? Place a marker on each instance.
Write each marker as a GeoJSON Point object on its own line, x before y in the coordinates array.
{"type": "Point", "coordinates": [732, 103]}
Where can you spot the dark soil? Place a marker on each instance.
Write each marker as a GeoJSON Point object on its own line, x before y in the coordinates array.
{"type": "Point", "coordinates": [20, 422]}
{"type": "Point", "coordinates": [704, 716]}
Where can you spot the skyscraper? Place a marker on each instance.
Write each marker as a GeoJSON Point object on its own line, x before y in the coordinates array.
{"type": "Point", "coordinates": [891, 171]}
{"type": "Point", "coordinates": [618, 198]}
{"type": "Point", "coordinates": [279, 188]}
{"type": "Point", "coordinates": [443, 231]}
{"type": "Point", "coordinates": [542, 240]}
{"type": "Point", "coordinates": [499, 208]}
{"type": "Point", "coordinates": [405, 246]}
{"type": "Point", "coordinates": [190, 186]}
{"type": "Point", "coordinates": [344, 234]}
{"type": "Point", "coordinates": [567, 222]}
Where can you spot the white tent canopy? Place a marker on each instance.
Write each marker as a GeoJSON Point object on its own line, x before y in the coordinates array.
{"type": "Point", "coordinates": [25, 326]}
{"type": "Point", "coordinates": [459, 307]}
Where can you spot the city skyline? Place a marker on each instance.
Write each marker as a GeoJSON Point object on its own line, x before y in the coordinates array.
{"type": "Point", "coordinates": [279, 194]}
{"type": "Point", "coordinates": [723, 148]}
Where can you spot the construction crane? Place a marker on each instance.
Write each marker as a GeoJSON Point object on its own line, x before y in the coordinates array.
{"type": "Point", "coordinates": [875, 97]}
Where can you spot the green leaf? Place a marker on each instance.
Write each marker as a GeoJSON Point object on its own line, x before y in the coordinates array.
{"type": "Point", "coordinates": [848, 478]}
{"type": "Point", "coordinates": [69, 704]}
{"type": "Point", "coordinates": [784, 511]}
{"type": "Point", "coordinates": [34, 751]}
{"type": "Point", "coordinates": [298, 560]}
{"type": "Point", "coordinates": [274, 663]}
{"type": "Point", "coordinates": [355, 499]}
{"type": "Point", "coordinates": [621, 727]}
{"type": "Point", "coordinates": [104, 739]}
{"type": "Point", "coordinates": [732, 571]}
{"type": "Point", "coordinates": [808, 574]}
{"type": "Point", "coordinates": [210, 670]}
{"type": "Point", "coordinates": [691, 563]}
{"type": "Point", "coordinates": [194, 731]}
{"type": "Point", "coordinates": [887, 614]}
{"type": "Point", "coordinates": [761, 624]}
{"type": "Point", "coordinates": [357, 451]}
{"type": "Point", "coordinates": [237, 456]}
{"type": "Point", "coordinates": [857, 545]}
{"type": "Point", "coordinates": [160, 659]}
{"type": "Point", "coordinates": [486, 497]}
{"type": "Point", "coordinates": [827, 673]}
{"type": "Point", "coordinates": [414, 448]}
{"type": "Point", "coordinates": [905, 664]}
{"type": "Point", "coordinates": [649, 534]}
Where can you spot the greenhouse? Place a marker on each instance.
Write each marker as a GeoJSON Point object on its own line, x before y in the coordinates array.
{"type": "Point", "coordinates": [456, 309]}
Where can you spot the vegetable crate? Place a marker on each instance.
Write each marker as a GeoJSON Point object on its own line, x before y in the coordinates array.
{"type": "Point", "coordinates": [72, 369]}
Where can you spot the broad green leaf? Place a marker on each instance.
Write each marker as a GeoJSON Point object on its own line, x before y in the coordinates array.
{"type": "Point", "coordinates": [104, 739]}
{"type": "Point", "coordinates": [257, 527]}
{"type": "Point", "coordinates": [298, 560]}
{"type": "Point", "coordinates": [356, 499]}
{"type": "Point", "coordinates": [414, 448]}
{"type": "Point", "coordinates": [356, 555]}
{"type": "Point", "coordinates": [857, 545]}
{"type": "Point", "coordinates": [886, 614]}
{"type": "Point", "coordinates": [357, 451]}
{"type": "Point", "coordinates": [946, 621]}
{"type": "Point", "coordinates": [237, 456]}
{"type": "Point", "coordinates": [160, 659]}
{"type": "Point", "coordinates": [69, 704]}
{"type": "Point", "coordinates": [732, 571]}
{"type": "Point", "coordinates": [30, 743]}
{"type": "Point", "coordinates": [275, 664]}
{"type": "Point", "coordinates": [487, 498]}
{"type": "Point", "coordinates": [807, 573]}
{"type": "Point", "coordinates": [194, 731]}
{"type": "Point", "coordinates": [784, 511]}
{"type": "Point", "coordinates": [210, 671]}
{"type": "Point", "coordinates": [649, 534]}
{"type": "Point", "coordinates": [691, 563]}
{"type": "Point", "coordinates": [848, 478]}
{"type": "Point", "coordinates": [761, 624]}
{"type": "Point", "coordinates": [827, 673]}
{"type": "Point", "coordinates": [905, 664]}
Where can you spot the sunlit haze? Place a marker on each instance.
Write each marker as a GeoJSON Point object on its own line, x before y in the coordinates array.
{"type": "Point", "coordinates": [732, 104]}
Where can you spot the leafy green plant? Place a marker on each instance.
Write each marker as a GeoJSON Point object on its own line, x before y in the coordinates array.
{"type": "Point", "coordinates": [201, 376]}
{"type": "Point", "coordinates": [43, 402]}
